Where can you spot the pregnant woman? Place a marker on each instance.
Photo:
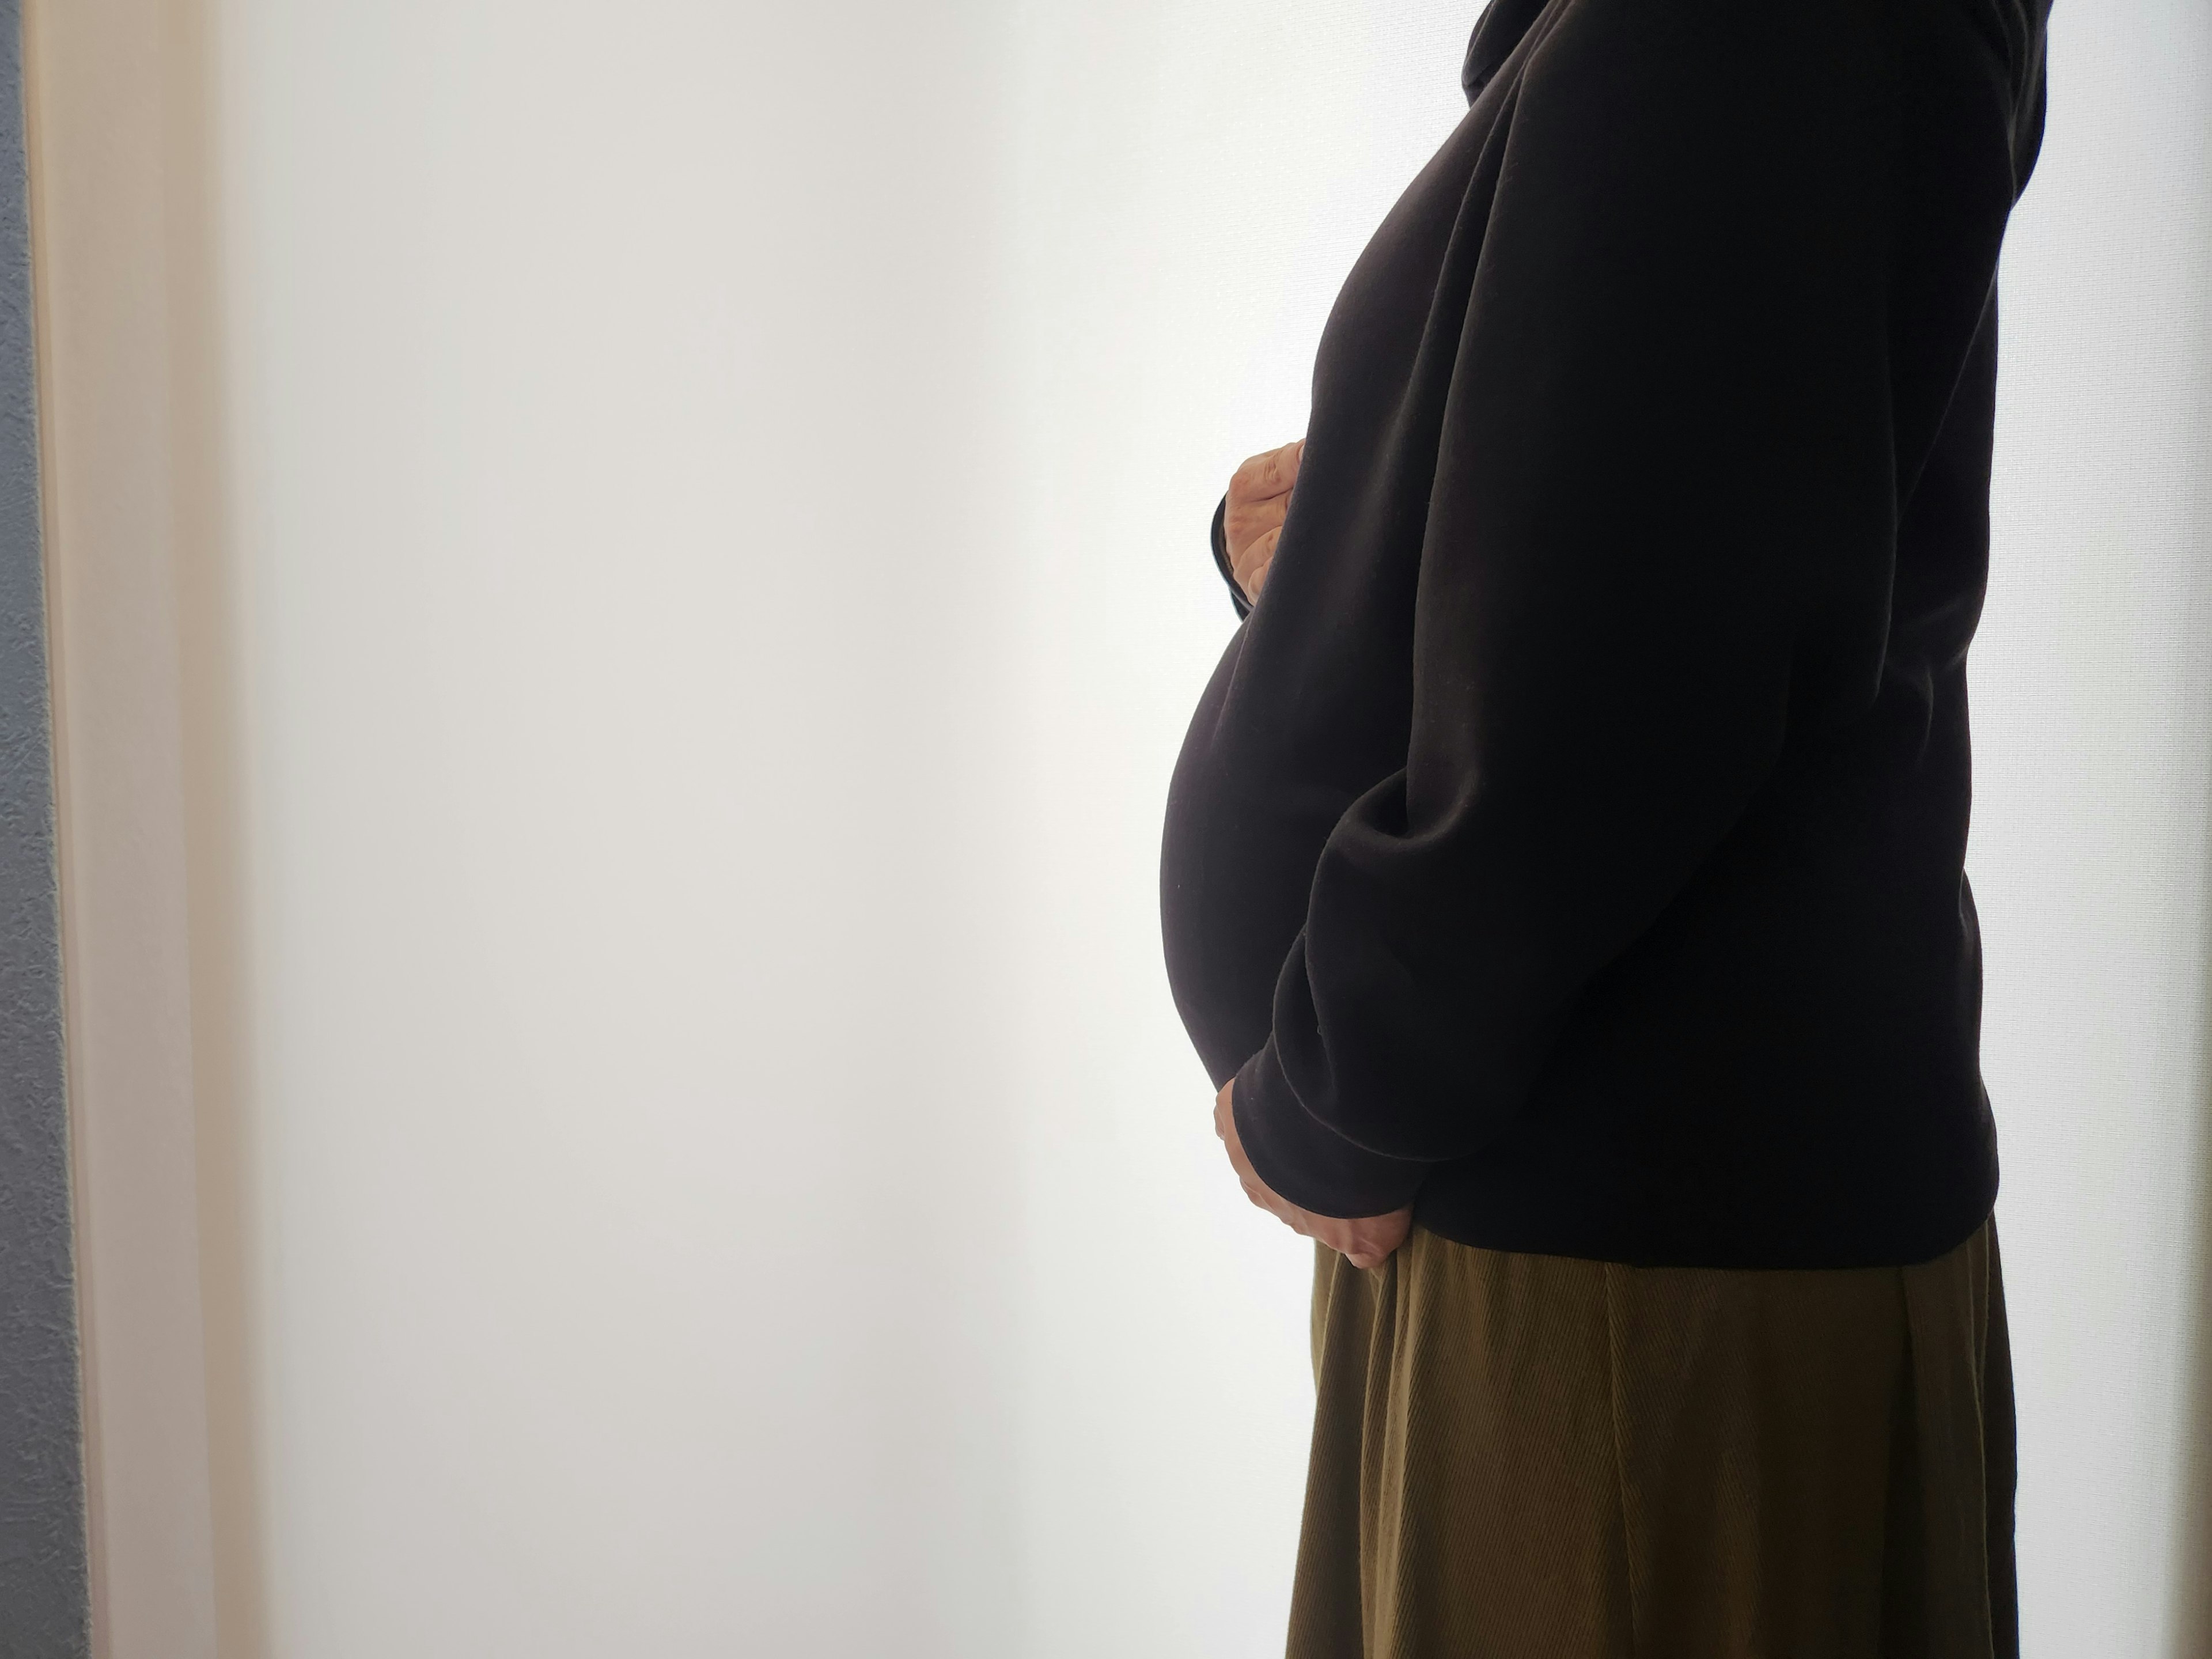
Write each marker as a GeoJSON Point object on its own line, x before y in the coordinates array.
{"type": "Point", "coordinates": [1563, 878]}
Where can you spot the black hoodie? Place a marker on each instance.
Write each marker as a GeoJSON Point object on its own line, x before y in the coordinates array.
{"type": "Point", "coordinates": [1570, 842]}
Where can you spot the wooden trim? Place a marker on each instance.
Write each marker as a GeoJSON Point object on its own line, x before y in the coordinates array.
{"type": "Point", "coordinates": [103, 79]}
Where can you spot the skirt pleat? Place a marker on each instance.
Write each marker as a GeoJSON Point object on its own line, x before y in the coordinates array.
{"type": "Point", "coordinates": [1522, 1456]}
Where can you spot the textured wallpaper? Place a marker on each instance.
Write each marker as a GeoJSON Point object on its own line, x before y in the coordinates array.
{"type": "Point", "coordinates": [43, 1607]}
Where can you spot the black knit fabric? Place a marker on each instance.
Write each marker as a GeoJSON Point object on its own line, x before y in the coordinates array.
{"type": "Point", "coordinates": [1221, 538]}
{"type": "Point", "coordinates": [1570, 841]}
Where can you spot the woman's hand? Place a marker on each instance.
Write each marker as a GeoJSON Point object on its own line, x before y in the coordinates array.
{"type": "Point", "coordinates": [1258, 495]}
{"type": "Point", "coordinates": [1365, 1241]}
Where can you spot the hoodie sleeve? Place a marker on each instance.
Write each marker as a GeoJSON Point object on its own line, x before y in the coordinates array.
{"type": "Point", "coordinates": [1667, 461]}
{"type": "Point", "coordinates": [1220, 536]}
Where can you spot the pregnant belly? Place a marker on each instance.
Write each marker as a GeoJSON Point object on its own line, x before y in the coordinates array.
{"type": "Point", "coordinates": [1241, 839]}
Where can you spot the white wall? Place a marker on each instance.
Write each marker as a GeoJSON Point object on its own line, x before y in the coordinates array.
{"type": "Point", "coordinates": [1193, 183]}
{"type": "Point", "coordinates": [2091, 688]}
{"type": "Point", "coordinates": [694, 580]}
{"type": "Point", "coordinates": [619, 620]}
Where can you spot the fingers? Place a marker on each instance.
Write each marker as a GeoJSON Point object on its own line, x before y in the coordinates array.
{"type": "Point", "coordinates": [1225, 1125]}
{"type": "Point", "coordinates": [1259, 497]}
{"type": "Point", "coordinates": [1246, 521]}
{"type": "Point", "coordinates": [1364, 1240]}
{"type": "Point", "coordinates": [1250, 566]}
{"type": "Point", "coordinates": [1263, 476]}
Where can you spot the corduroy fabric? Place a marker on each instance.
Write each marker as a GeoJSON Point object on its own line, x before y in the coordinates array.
{"type": "Point", "coordinates": [1522, 1456]}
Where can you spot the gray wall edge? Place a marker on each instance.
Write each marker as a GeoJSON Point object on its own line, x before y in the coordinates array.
{"type": "Point", "coordinates": [45, 1610]}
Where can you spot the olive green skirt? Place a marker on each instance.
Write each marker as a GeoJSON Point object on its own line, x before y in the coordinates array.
{"type": "Point", "coordinates": [1536, 1457]}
